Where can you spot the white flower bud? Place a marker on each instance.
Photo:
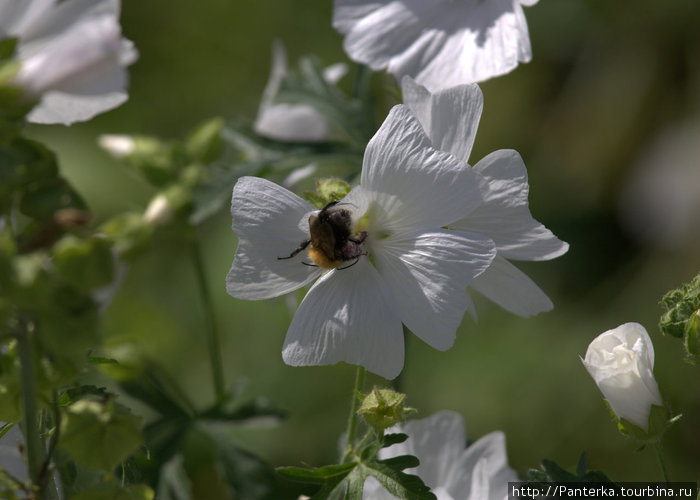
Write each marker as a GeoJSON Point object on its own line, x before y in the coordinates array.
{"type": "Point", "coordinates": [117, 145]}
{"type": "Point", "coordinates": [621, 361]}
{"type": "Point", "coordinates": [159, 212]}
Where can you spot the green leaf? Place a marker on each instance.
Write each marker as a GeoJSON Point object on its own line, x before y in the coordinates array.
{"type": "Point", "coordinates": [7, 48]}
{"type": "Point", "coordinates": [401, 462]}
{"type": "Point", "coordinates": [99, 435]}
{"type": "Point", "coordinates": [391, 439]}
{"type": "Point", "coordinates": [205, 144]}
{"type": "Point", "coordinates": [42, 199]}
{"type": "Point", "coordinates": [317, 475]}
{"type": "Point", "coordinates": [399, 484]}
{"type": "Point", "coordinates": [100, 360]}
{"type": "Point", "coordinates": [84, 263]}
{"type": "Point", "coordinates": [553, 472]}
{"type": "Point", "coordinates": [259, 408]}
{"type": "Point", "coordinates": [129, 232]}
{"type": "Point", "coordinates": [116, 492]}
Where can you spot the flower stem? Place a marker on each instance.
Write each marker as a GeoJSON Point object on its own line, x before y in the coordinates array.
{"type": "Point", "coordinates": [662, 464]}
{"type": "Point", "coordinates": [352, 418]}
{"type": "Point", "coordinates": [213, 341]}
{"type": "Point", "coordinates": [30, 428]}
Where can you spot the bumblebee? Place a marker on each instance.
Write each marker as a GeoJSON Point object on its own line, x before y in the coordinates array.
{"type": "Point", "coordinates": [331, 239]}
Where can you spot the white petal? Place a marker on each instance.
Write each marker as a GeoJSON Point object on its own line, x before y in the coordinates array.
{"type": "Point", "coordinates": [505, 216]}
{"type": "Point", "coordinates": [16, 16]}
{"type": "Point", "coordinates": [511, 289]}
{"type": "Point", "coordinates": [412, 183]}
{"type": "Point", "coordinates": [481, 40]}
{"type": "Point", "coordinates": [484, 464]}
{"type": "Point", "coordinates": [437, 441]}
{"type": "Point", "coordinates": [59, 107]}
{"type": "Point", "coordinates": [283, 121]}
{"type": "Point", "coordinates": [335, 72]}
{"type": "Point", "coordinates": [265, 220]}
{"type": "Point", "coordinates": [292, 123]}
{"type": "Point", "coordinates": [449, 117]}
{"type": "Point", "coordinates": [440, 44]}
{"type": "Point", "coordinates": [428, 272]}
{"type": "Point", "coordinates": [348, 315]}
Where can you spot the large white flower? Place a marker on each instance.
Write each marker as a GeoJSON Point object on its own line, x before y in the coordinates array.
{"type": "Point", "coordinates": [290, 121]}
{"type": "Point", "coordinates": [450, 118]}
{"type": "Point", "coordinates": [479, 472]}
{"type": "Point", "coordinates": [440, 43]}
{"type": "Point", "coordinates": [402, 267]}
{"type": "Point", "coordinates": [72, 56]}
{"type": "Point", "coordinates": [621, 361]}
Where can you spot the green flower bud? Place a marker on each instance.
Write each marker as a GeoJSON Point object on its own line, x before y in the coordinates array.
{"type": "Point", "coordinates": [156, 160]}
{"type": "Point", "coordinates": [383, 408]}
{"type": "Point", "coordinates": [327, 190]}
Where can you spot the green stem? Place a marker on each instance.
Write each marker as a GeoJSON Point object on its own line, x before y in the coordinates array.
{"type": "Point", "coordinates": [352, 418]}
{"type": "Point", "coordinates": [30, 429]}
{"type": "Point", "coordinates": [213, 342]}
{"type": "Point", "coordinates": [662, 464]}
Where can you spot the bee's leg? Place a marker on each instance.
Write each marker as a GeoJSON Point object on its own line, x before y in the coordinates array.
{"type": "Point", "coordinates": [307, 264]}
{"type": "Point", "coordinates": [301, 247]}
{"type": "Point", "coordinates": [355, 262]}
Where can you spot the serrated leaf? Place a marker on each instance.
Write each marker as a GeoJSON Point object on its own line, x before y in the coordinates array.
{"type": "Point", "coordinates": [316, 475]}
{"type": "Point", "coordinates": [399, 484]}
{"type": "Point", "coordinates": [99, 435]}
{"type": "Point", "coordinates": [395, 438]}
{"type": "Point", "coordinates": [401, 462]}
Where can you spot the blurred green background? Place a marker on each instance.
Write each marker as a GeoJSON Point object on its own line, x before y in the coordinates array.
{"type": "Point", "coordinates": [607, 118]}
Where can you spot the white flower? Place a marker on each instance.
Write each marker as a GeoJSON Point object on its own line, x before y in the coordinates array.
{"type": "Point", "coordinates": [286, 121]}
{"type": "Point", "coordinates": [118, 145]}
{"type": "Point", "coordinates": [479, 472]}
{"type": "Point", "coordinates": [402, 267]}
{"type": "Point", "coordinates": [440, 43]}
{"type": "Point", "coordinates": [72, 56]}
{"type": "Point", "coordinates": [621, 361]}
{"type": "Point", "coordinates": [450, 118]}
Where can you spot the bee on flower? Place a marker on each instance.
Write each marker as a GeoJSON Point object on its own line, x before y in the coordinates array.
{"type": "Point", "coordinates": [400, 248]}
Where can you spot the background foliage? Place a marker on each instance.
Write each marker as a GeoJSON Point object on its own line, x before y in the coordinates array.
{"type": "Point", "coordinates": [612, 87]}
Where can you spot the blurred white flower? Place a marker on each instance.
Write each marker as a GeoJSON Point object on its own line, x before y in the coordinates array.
{"type": "Point", "coordinates": [117, 145]}
{"type": "Point", "coordinates": [440, 43]}
{"type": "Point", "coordinates": [286, 121]}
{"type": "Point", "coordinates": [72, 56]}
{"type": "Point", "coordinates": [159, 211]}
{"type": "Point", "coordinates": [384, 256]}
{"type": "Point", "coordinates": [450, 118]}
{"type": "Point", "coordinates": [479, 472]}
{"type": "Point", "coordinates": [621, 361]}
{"type": "Point", "coordinates": [659, 202]}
